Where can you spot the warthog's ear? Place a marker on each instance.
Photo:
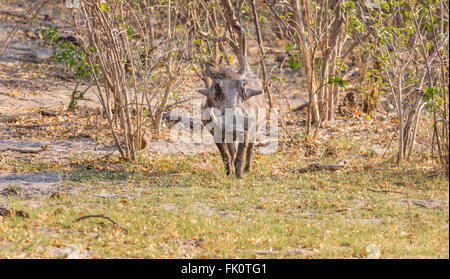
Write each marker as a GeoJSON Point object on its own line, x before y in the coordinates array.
{"type": "Point", "coordinates": [205, 91]}
{"type": "Point", "coordinates": [215, 92]}
{"type": "Point", "coordinates": [250, 92]}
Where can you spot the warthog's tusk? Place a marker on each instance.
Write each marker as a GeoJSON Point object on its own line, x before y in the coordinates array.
{"type": "Point", "coordinates": [213, 117]}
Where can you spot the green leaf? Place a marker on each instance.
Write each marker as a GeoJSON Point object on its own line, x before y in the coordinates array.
{"type": "Point", "coordinates": [131, 31]}
{"type": "Point", "coordinates": [275, 78]}
{"type": "Point", "coordinates": [430, 92]}
{"type": "Point", "coordinates": [104, 7]}
{"type": "Point", "coordinates": [288, 47]}
{"type": "Point", "coordinates": [338, 80]}
{"type": "Point", "coordinates": [295, 64]}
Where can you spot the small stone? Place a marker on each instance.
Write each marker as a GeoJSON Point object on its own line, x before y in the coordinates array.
{"type": "Point", "coordinates": [373, 252]}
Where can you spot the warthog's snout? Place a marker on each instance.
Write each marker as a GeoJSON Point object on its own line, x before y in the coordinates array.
{"type": "Point", "coordinates": [232, 122]}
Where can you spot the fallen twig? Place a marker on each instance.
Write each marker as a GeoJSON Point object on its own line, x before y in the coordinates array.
{"type": "Point", "coordinates": [23, 150]}
{"type": "Point", "coordinates": [48, 113]}
{"type": "Point", "coordinates": [385, 191]}
{"type": "Point", "coordinates": [104, 217]}
{"type": "Point", "coordinates": [301, 107]}
{"type": "Point", "coordinates": [317, 167]}
{"type": "Point", "coordinates": [31, 150]}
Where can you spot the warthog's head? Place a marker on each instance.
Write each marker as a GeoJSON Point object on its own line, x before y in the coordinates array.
{"type": "Point", "coordinates": [229, 102]}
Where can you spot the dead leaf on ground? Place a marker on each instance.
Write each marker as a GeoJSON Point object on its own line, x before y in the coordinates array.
{"type": "Point", "coordinates": [6, 212]}
{"type": "Point", "coordinates": [60, 195]}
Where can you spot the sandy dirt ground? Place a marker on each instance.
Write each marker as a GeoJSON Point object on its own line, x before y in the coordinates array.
{"type": "Point", "coordinates": [31, 82]}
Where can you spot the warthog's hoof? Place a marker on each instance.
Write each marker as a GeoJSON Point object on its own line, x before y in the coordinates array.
{"type": "Point", "coordinates": [239, 173]}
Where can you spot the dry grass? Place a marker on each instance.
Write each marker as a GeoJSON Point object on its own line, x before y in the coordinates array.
{"type": "Point", "coordinates": [177, 206]}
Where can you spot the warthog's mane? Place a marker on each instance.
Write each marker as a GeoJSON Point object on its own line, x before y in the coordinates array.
{"type": "Point", "coordinates": [223, 73]}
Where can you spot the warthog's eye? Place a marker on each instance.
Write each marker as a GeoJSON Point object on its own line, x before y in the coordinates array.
{"type": "Point", "coordinates": [218, 93]}
{"type": "Point", "coordinates": [242, 85]}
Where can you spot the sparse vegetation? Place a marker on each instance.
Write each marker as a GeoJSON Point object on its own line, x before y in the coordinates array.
{"type": "Point", "coordinates": [89, 96]}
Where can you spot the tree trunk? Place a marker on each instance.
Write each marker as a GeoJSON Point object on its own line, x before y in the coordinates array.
{"type": "Point", "coordinates": [160, 110]}
{"type": "Point", "coordinates": [308, 62]}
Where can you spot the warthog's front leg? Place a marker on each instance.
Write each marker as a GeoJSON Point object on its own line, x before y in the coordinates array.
{"type": "Point", "coordinates": [242, 148]}
{"type": "Point", "coordinates": [227, 161]}
{"type": "Point", "coordinates": [232, 150]}
{"type": "Point", "coordinates": [248, 163]}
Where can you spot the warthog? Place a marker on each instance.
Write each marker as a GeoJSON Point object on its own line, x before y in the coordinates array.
{"type": "Point", "coordinates": [231, 114]}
